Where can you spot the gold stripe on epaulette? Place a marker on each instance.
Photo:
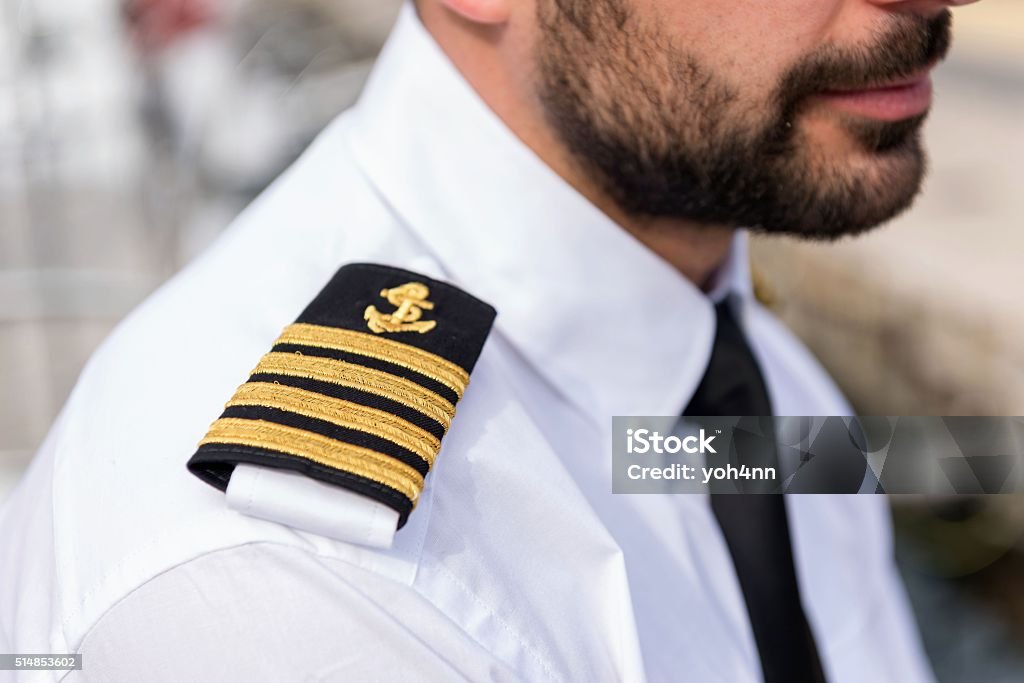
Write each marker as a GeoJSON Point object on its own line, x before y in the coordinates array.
{"type": "Point", "coordinates": [404, 355]}
{"type": "Point", "coordinates": [320, 449]}
{"type": "Point", "coordinates": [399, 389]}
{"type": "Point", "coordinates": [341, 413]}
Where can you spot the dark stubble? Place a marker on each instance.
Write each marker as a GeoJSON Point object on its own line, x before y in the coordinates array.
{"type": "Point", "coordinates": [665, 136]}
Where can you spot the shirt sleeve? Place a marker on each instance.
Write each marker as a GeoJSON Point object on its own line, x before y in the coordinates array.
{"type": "Point", "coordinates": [265, 612]}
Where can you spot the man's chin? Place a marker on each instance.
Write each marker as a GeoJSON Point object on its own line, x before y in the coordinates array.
{"type": "Point", "coordinates": [863, 186]}
{"type": "Point", "coordinates": [848, 203]}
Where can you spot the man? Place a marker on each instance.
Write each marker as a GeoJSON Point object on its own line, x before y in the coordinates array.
{"type": "Point", "coordinates": [583, 168]}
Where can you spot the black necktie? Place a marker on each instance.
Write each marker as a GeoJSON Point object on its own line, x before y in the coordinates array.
{"type": "Point", "coordinates": [755, 526]}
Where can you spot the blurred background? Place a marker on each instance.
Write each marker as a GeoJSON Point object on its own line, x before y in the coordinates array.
{"type": "Point", "coordinates": [132, 131]}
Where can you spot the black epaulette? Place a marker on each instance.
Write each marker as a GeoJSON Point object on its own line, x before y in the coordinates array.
{"type": "Point", "coordinates": [359, 391]}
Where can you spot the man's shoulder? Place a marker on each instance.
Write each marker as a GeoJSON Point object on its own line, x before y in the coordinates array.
{"type": "Point", "coordinates": [112, 478]}
{"type": "Point", "coordinates": [126, 511]}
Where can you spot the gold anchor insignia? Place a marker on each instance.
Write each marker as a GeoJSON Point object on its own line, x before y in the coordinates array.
{"type": "Point", "coordinates": [411, 301]}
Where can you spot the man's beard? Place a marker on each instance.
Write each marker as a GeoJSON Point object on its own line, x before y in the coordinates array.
{"type": "Point", "coordinates": [666, 137]}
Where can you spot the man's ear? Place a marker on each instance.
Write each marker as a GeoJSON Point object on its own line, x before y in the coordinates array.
{"type": "Point", "coordinates": [480, 11]}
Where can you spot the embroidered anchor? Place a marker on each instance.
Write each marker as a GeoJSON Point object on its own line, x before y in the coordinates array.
{"type": "Point", "coordinates": [411, 300]}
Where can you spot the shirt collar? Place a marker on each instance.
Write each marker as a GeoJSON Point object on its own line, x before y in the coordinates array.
{"type": "Point", "coordinates": [610, 324]}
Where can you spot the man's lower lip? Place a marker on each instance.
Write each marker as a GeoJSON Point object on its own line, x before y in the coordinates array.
{"type": "Point", "coordinates": [884, 104]}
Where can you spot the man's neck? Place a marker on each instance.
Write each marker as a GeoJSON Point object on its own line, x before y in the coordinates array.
{"type": "Point", "coordinates": [696, 251]}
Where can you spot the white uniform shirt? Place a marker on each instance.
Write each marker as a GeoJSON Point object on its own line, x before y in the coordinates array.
{"type": "Point", "coordinates": [518, 562]}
